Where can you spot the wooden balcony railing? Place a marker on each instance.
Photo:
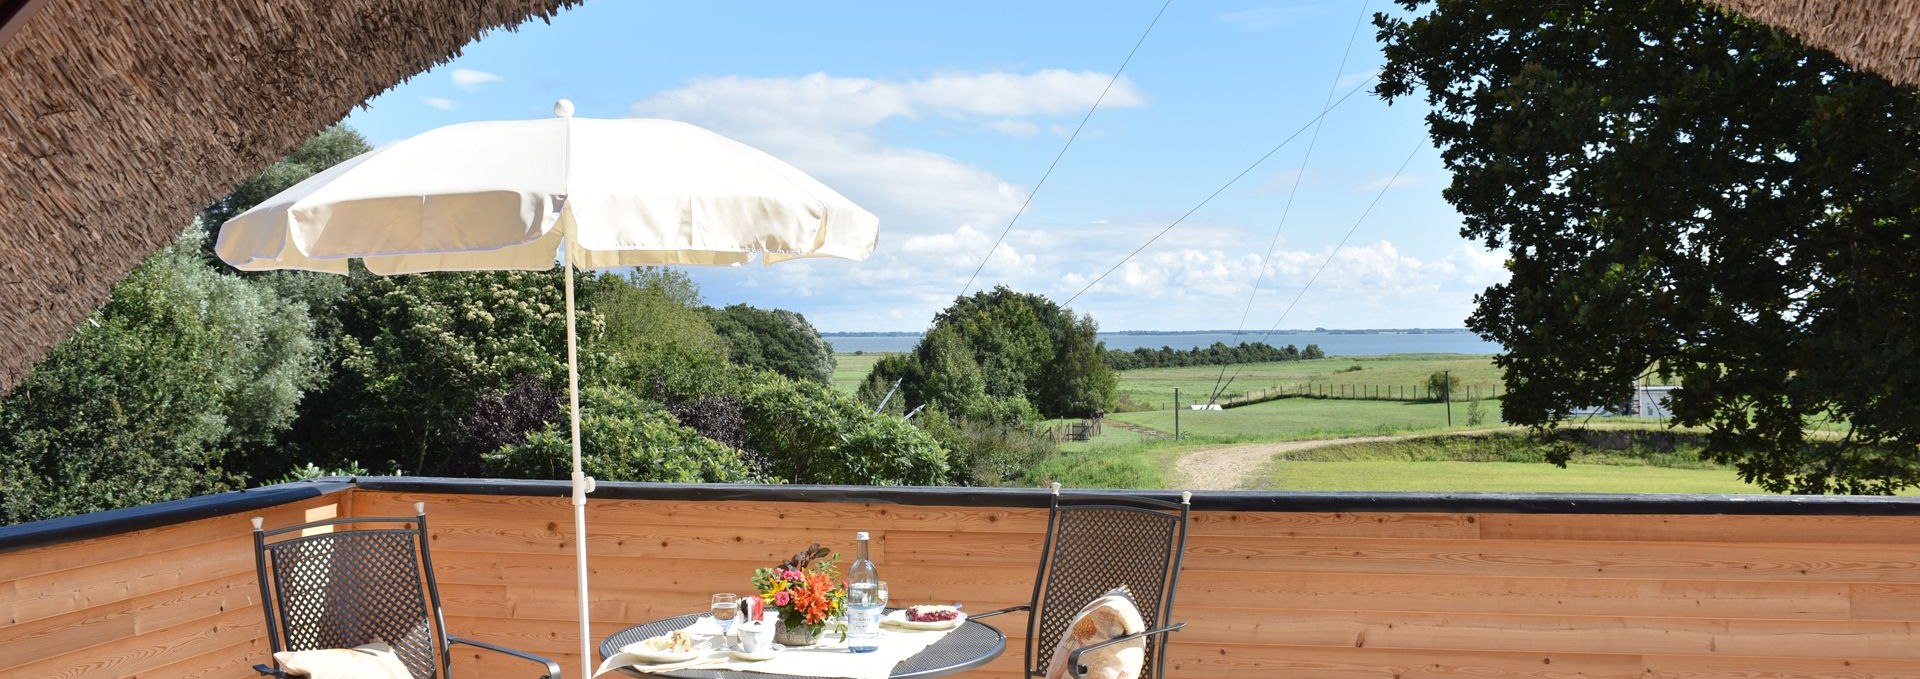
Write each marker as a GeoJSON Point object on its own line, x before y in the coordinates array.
{"type": "Point", "coordinates": [1275, 585]}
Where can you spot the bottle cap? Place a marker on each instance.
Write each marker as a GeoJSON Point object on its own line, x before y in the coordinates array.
{"type": "Point", "coordinates": [862, 535]}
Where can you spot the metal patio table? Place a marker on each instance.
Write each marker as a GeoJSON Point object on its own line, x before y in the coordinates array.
{"type": "Point", "coordinates": [971, 645]}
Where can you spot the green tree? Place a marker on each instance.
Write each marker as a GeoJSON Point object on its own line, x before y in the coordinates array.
{"type": "Point", "coordinates": [1023, 346]}
{"type": "Point", "coordinates": [623, 437]}
{"type": "Point", "coordinates": [1683, 190]}
{"type": "Point", "coordinates": [813, 433]}
{"type": "Point", "coordinates": [1442, 385]}
{"type": "Point", "coordinates": [652, 330]}
{"type": "Point", "coordinates": [183, 368]}
{"type": "Point", "coordinates": [775, 339]}
{"type": "Point", "coordinates": [418, 351]}
{"type": "Point", "coordinates": [319, 292]}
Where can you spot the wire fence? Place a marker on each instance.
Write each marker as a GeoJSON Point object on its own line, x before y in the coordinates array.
{"type": "Point", "coordinates": [1074, 431]}
{"type": "Point", "coordinates": [1365, 392]}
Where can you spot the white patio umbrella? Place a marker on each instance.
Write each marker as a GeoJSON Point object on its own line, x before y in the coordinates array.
{"type": "Point", "coordinates": [509, 195]}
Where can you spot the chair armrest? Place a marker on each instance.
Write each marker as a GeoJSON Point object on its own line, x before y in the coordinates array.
{"type": "Point", "coordinates": [1003, 611]}
{"type": "Point", "coordinates": [269, 671]}
{"type": "Point", "coordinates": [1076, 670]}
{"type": "Point", "coordinates": [553, 668]}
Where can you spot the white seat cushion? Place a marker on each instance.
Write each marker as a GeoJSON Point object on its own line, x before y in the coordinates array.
{"type": "Point", "coordinates": [1111, 616]}
{"type": "Point", "coordinates": [371, 661]}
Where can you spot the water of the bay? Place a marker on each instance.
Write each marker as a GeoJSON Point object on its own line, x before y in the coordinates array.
{"type": "Point", "coordinates": [1334, 343]}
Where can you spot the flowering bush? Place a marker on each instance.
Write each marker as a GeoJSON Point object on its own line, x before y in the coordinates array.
{"type": "Point", "coordinates": [805, 589]}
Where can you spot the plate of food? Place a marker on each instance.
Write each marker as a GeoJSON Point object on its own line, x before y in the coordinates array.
{"type": "Point", "coordinates": [674, 646]}
{"type": "Point", "coordinates": [926, 617]}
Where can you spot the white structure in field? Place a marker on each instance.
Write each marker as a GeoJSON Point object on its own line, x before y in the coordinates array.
{"type": "Point", "coordinates": [1646, 401]}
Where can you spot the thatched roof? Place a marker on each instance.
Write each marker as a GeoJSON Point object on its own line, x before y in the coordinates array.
{"type": "Point", "coordinates": [1882, 36]}
{"type": "Point", "coordinates": [120, 120]}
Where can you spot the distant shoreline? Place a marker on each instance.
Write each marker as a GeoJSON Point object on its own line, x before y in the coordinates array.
{"type": "Point", "coordinates": [1315, 331]}
{"type": "Point", "coordinates": [1332, 342]}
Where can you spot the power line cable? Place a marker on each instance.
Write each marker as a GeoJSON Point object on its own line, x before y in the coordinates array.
{"type": "Point", "coordinates": [1336, 250]}
{"type": "Point", "coordinates": [1064, 147]}
{"type": "Point", "coordinates": [1260, 273]}
{"type": "Point", "coordinates": [1216, 192]}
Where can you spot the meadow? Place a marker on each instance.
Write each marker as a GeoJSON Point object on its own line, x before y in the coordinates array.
{"type": "Point", "coordinates": [1154, 386]}
{"type": "Point", "coordinates": [1291, 419]}
{"type": "Point", "coordinates": [1497, 458]}
{"type": "Point", "coordinates": [849, 370]}
{"type": "Point", "coordinates": [1496, 462]}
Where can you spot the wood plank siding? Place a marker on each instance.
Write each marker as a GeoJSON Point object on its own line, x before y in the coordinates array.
{"type": "Point", "coordinates": [176, 601]}
{"type": "Point", "coordinates": [1286, 594]}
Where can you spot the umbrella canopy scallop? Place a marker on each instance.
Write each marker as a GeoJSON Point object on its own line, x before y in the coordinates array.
{"type": "Point", "coordinates": [507, 194]}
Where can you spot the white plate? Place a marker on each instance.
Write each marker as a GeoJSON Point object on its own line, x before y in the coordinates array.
{"type": "Point", "coordinates": [898, 618]}
{"type": "Point", "coordinates": [655, 657]}
{"type": "Point", "coordinates": [752, 657]}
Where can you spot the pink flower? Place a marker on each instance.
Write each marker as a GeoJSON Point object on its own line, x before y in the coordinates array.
{"type": "Point", "coordinates": [782, 598]}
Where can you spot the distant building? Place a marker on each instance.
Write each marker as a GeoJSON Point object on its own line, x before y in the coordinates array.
{"type": "Point", "coordinates": [1646, 401]}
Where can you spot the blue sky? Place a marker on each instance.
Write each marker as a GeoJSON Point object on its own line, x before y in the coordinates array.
{"type": "Point", "coordinates": [940, 118]}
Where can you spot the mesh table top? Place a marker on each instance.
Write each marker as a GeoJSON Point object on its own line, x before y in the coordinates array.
{"type": "Point", "coordinates": [972, 645]}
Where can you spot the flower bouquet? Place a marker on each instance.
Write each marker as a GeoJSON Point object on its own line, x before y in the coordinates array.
{"type": "Point", "coordinates": [805, 590]}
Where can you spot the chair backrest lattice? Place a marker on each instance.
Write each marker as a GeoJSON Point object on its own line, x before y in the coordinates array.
{"type": "Point", "coordinates": [1095, 544]}
{"type": "Point", "coordinates": [347, 588]}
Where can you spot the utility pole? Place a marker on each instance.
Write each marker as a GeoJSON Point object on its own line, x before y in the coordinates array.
{"type": "Point", "coordinates": [1176, 413]}
{"type": "Point", "coordinates": [1446, 388]}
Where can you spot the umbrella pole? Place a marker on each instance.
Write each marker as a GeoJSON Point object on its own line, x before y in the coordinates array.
{"type": "Point", "coordinates": [582, 484]}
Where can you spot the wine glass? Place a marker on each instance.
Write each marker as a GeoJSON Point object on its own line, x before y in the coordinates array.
{"type": "Point", "coordinates": [725, 608]}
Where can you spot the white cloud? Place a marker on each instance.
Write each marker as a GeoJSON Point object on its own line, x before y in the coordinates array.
{"type": "Point", "coordinates": [1393, 182]}
{"type": "Point", "coordinates": [1262, 19]}
{"type": "Point", "coordinates": [1018, 128]}
{"type": "Point", "coordinates": [1348, 81]}
{"type": "Point", "coordinates": [472, 80]}
{"type": "Point", "coordinates": [441, 103]}
{"type": "Point", "coordinates": [940, 214]}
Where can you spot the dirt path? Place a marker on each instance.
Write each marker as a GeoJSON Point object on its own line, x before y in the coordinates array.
{"type": "Point", "coordinates": [1148, 432]}
{"type": "Point", "coordinates": [1230, 467]}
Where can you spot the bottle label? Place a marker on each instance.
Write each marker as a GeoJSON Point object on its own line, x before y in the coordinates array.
{"type": "Point", "coordinates": [863, 627]}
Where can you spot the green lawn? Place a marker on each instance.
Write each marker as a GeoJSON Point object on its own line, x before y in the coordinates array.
{"type": "Point", "coordinates": [1499, 462]}
{"type": "Point", "coordinates": [1155, 385]}
{"type": "Point", "coordinates": [1392, 475]}
{"type": "Point", "coordinates": [849, 370]}
{"type": "Point", "coordinates": [1304, 418]}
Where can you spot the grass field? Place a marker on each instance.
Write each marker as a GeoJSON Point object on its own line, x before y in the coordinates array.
{"type": "Point", "coordinates": [1531, 477]}
{"type": "Point", "coordinates": [1308, 418]}
{"type": "Point", "coordinates": [1155, 385]}
{"type": "Point", "coordinates": [1499, 462]}
{"type": "Point", "coordinates": [849, 370]}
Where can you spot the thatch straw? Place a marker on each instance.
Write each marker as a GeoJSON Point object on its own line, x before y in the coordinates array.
{"type": "Point", "coordinates": [1882, 36]}
{"type": "Point", "coordinates": [120, 120]}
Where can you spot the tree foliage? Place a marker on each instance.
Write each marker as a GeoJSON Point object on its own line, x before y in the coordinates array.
{"type": "Point", "coordinates": [623, 437]}
{"type": "Point", "coordinates": [183, 369]}
{"type": "Point", "coordinates": [1218, 353]}
{"type": "Point", "coordinates": [812, 433]}
{"type": "Point", "coordinates": [774, 339]}
{"type": "Point", "coordinates": [1686, 191]}
{"type": "Point", "coordinates": [999, 347]}
{"type": "Point", "coordinates": [418, 352]}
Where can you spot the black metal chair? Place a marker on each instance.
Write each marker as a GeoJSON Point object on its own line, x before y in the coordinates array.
{"type": "Point", "coordinates": [1093, 544]}
{"type": "Point", "coordinates": [345, 588]}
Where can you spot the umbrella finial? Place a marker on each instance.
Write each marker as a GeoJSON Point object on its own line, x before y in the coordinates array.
{"type": "Point", "coordinates": [563, 108]}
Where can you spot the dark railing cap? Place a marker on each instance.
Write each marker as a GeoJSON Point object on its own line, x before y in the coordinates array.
{"type": "Point", "coordinates": [111, 522]}
{"type": "Point", "coordinates": [99, 524]}
{"type": "Point", "coordinates": [1227, 500]}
